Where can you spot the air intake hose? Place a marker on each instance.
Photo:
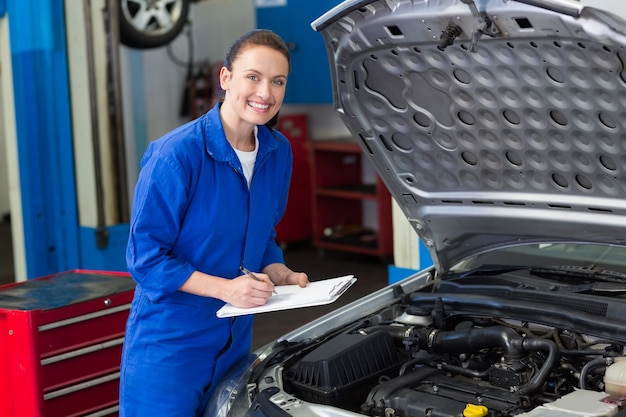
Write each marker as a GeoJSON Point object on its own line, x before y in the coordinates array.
{"type": "Point", "coordinates": [476, 339]}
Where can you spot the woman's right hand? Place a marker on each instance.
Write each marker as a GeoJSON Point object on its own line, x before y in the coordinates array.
{"type": "Point", "coordinates": [242, 291]}
{"type": "Point", "coordinates": [245, 292]}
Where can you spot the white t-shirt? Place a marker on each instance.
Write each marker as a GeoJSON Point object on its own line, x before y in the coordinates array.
{"type": "Point", "coordinates": [248, 159]}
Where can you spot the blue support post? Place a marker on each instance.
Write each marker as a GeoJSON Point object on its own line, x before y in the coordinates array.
{"type": "Point", "coordinates": [44, 133]}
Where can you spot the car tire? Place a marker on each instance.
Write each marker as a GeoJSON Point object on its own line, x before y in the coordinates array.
{"type": "Point", "coordinates": [151, 23]}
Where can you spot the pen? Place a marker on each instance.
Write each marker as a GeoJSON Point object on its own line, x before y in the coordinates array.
{"type": "Point", "coordinates": [251, 275]}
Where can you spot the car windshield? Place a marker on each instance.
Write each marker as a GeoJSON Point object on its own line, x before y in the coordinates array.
{"type": "Point", "coordinates": [565, 256]}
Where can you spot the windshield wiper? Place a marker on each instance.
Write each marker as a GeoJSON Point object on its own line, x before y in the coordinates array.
{"type": "Point", "coordinates": [574, 271]}
{"type": "Point", "coordinates": [604, 281]}
{"type": "Point", "coordinates": [567, 271]}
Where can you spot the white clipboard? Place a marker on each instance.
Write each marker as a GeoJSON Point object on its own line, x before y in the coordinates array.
{"type": "Point", "coordinates": [293, 296]}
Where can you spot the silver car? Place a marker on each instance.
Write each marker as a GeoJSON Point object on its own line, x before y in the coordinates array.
{"type": "Point", "coordinates": [499, 126]}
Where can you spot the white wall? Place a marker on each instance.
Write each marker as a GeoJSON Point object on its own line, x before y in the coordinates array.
{"type": "Point", "coordinates": [4, 175]}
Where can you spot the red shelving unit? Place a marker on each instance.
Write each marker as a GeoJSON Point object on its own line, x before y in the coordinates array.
{"type": "Point", "coordinates": [338, 200]}
{"type": "Point", "coordinates": [295, 226]}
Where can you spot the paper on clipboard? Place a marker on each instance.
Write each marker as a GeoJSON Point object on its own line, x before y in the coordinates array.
{"type": "Point", "coordinates": [293, 296]}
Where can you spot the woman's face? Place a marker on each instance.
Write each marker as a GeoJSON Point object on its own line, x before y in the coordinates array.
{"type": "Point", "coordinates": [255, 88]}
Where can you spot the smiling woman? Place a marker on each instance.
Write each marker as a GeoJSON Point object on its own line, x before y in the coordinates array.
{"type": "Point", "coordinates": [207, 200]}
{"type": "Point", "coordinates": [151, 23]}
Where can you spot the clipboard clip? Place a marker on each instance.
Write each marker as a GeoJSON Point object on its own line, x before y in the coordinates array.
{"type": "Point", "coordinates": [340, 287]}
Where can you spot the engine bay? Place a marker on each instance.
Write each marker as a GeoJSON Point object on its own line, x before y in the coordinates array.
{"type": "Point", "coordinates": [431, 355]}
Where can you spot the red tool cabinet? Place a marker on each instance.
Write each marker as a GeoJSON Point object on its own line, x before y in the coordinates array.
{"type": "Point", "coordinates": [61, 342]}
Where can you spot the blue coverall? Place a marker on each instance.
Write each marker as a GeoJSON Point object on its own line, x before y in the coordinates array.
{"type": "Point", "coordinates": [193, 210]}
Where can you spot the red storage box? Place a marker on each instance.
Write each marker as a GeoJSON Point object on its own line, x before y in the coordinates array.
{"type": "Point", "coordinates": [60, 343]}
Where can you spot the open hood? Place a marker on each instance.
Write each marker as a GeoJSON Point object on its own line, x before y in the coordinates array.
{"type": "Point", "coordinates": [492, 122]}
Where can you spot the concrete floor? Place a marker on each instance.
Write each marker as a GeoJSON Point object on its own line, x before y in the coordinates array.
{"type": "Point", "coordinates": [371, 275]}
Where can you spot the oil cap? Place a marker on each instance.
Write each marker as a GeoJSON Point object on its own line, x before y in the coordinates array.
{"type": "Point", "coordinates": [473, 410]}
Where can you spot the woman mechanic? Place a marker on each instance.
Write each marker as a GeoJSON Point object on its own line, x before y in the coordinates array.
{"type": "Point", "coordinates": [207, 200]}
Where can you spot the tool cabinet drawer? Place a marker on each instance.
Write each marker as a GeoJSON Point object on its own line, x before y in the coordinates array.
{"type": "Point", "coordinates": [61, 340]}
{"type": "Point", "coordinates": [85, 328]}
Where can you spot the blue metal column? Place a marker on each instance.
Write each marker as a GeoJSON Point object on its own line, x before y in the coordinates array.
{"type": "Point", "coordinates": [44, 134]}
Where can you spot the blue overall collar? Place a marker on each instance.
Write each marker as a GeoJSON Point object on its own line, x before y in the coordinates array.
{"type": "Point", "coordinates": [218, 146]}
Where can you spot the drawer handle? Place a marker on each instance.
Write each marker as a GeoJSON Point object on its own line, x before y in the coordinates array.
{"type": "Point", "coordinates": [84, 385]}
{"type": "Point", "coordinates": [106, 412]}
{"type": "Point", "coordinates": [84, 317]}
{"type": "Point", "coordinates": [83, 351]}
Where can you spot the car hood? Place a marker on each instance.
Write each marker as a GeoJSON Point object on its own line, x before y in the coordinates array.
{"type": "Point", "coordinates": [493, 123]}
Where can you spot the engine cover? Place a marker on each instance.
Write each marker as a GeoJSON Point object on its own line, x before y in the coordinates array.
{"type": "Point", "coordinates": [342, 370]}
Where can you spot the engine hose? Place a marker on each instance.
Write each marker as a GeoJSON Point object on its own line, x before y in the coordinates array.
{"type": "Point", "coordinates": [409, 364]}
{"type": "Point", "coordinates": [474, 340]}
{"type": "Point", "coordinates": [398, 333]}
{"type": "Point", "coordinates": [595, 363]}
{"type": "Point", "coordinates": [515, 346]}
{"type": "Point", "coordinates": [531, 345]}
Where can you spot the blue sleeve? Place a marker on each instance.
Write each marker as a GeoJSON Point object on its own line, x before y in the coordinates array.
{"type": "Point", "coordinates": [159, 203]}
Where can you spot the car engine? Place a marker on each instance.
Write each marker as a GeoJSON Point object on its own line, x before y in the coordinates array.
{"type": "Point", "coordinates": [414, 361]}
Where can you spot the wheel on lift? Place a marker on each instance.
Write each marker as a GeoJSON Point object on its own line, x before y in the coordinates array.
{"type": "Point", "coordinates": [151, 23]}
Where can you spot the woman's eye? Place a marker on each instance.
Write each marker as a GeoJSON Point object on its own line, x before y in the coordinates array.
{"type": "Point", "coordinates": [253, 77]}
{"type": "Point", "coordinates": [279, 82]}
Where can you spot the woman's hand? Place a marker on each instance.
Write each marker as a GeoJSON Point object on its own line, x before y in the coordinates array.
{"type": "Point", "coordinates": [297, 278]}
{"type": "Point", "coordinates": [280, 274]}
{"type": "Point", "coordinates": [245, 292]}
